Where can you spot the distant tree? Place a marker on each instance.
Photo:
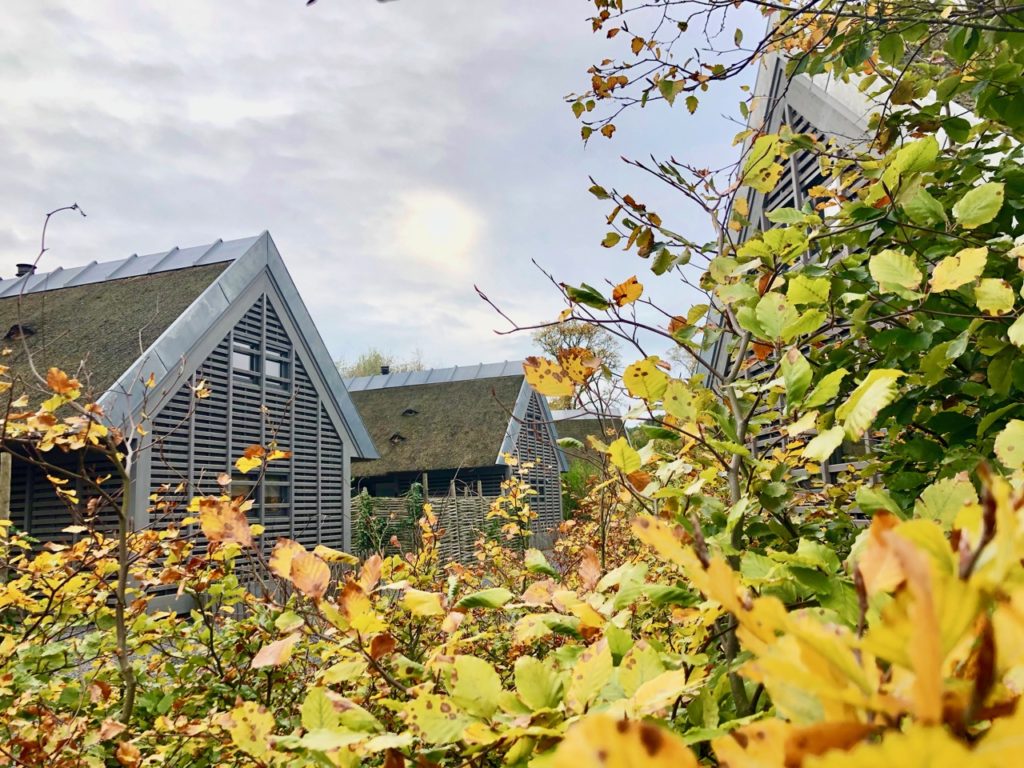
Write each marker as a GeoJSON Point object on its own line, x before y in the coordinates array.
{"type": "Point", "coordinates": [373, 360]}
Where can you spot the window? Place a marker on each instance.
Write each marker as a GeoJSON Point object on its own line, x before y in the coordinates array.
{"type": "Point", "coordinates": [275, 493]}
{"type": "Point", "coordinates": [245, 361]}
{"type": "Point", "coordinates": [276, 368]}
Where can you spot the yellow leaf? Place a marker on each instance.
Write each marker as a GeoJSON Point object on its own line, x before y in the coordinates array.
{"type": "Point", "coordinates": [993, 296]}
{"type": "Point", "coordinates": [420, 603]}
{"type": "Point", "coordinates": [623, 456]}
{"type": "Point", "coordinates": [281, 558]}
{"type": "Point", "coordinates": [250, 728]}
{"type": "Point", "coordinates": [247, 465]}
{"type": "Point", "coordinates": [627, 292]}
{"type": "Point", "coordinates": [578, 364]}
{"type": "Point", "coordinates": [608, 742]}
{"type": "Point", "coordinates": [645, 380]}
{"type": "Point", "coordinates": [963, 268]}
{"type": "Point", "coordinates": [589, 675]}
{"type": "Point", "coordinates": [331, 555]}
{"type": "Point", "coordinates": [547, 377]}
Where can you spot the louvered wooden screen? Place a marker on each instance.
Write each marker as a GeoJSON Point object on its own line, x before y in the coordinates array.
{"type": "Point", "coordinates": [260, 394]}
{"type": "Point", "coordinates": [536, 443]}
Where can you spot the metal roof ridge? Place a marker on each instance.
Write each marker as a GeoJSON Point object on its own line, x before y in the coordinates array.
{"type": "Point", "coordinates": [162, 259]}
{"type": "Point", "coordinates": [124, 263]}
{"type": "Point", "coordinates": [213, 246]}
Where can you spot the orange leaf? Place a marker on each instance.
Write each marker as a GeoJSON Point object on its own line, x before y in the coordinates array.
{"type": "Point", "coordinates": [111, 728]}
{"type": "Point", "coordinates": [276, 454]}
{"type": "Point", "coordinates": [310, 575]}
{"type": "Point", "coordinates": [627, 292]}
{"type": "Point", "coordinates": [224, 520]}
{"type": "Point", "coordinates": [59, 382]}
{"type": "Point", "coordinates": [578, 363]}
{"type": "Point", "coordinates": [639, 479]}
{"type": "Point", "coordinates": [370, 573]}
{"type": "Point", "coordinates": [762, 351]}
{"type": "Point", "coordinates": [281, 558]}
{"type": "Point", "coordinates": [128, 754]}
{"type": "Point", "coordinates": [590, 568]}
{"type": "Point", "coordinates": [275, 654]}
{"type": "Point", "coordinates": [382, 645]}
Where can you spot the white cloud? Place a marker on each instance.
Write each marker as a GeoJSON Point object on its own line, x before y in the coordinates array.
{"type": "Point", "coordinates": [436, 230]}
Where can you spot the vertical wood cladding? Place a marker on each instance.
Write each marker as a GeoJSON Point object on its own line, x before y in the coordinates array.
{"type": "Point", "coordinates": [535, 444]}
{"type": "Point", "coordinates": [260, 394]}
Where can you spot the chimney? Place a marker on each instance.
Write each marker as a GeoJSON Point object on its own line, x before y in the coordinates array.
{"type": "Point", "coordinates": [385, 370]}
{"type": "Point", "coordinates": [25, 269]}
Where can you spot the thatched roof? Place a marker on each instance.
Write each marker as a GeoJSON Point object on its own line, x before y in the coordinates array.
{"type": "Point", "coordinates": [448, 425]}
{"type": "Point", "coordinates": [580, 425]}
{"type": "Point", "coordinates": [99, 328]}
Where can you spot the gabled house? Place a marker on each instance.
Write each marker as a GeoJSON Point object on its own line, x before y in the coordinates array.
{"type": "Point", "coordinates": [225, 314]}
{"type": "Point", "coordinates": [453, 427]}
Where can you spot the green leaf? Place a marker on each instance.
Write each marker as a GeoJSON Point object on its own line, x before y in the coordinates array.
{"type": "Point", "coordinates": [623, 456]}
{"type": "Point", "coordinates": [475, 686]}
{"type": "Point", "coordinates": [824, 445]}
{"type": "Point", "coordinates": [872, 395]}
{"type": "Point", "coordinates": [318, 710]}
{"type": "Point", "coordinates": [537, 683]}
{"type": "Point", "coordinates": [288, 621]}
{"type": "Point", "coordinates": [808, 290]}
{"type": "Point", "coordinates": [796, 373]}
{"type": "Point", "coordinates": [691, 104]}
{"type": "Point", "coordinates": [587, 295]}
{"type": "Point", "coordinates": [872, 499]}
{"type": "Point", "coordinates": [436, 719]}
{"type": "Point", "coordinates": [571, 443]}
{"type": "Point", "coordinates": [1016, 332]}
{"type": "Point", "coordinates": [979, 206]}
{"type": "Point", "coordinates": [641, 664]}
{"type": "Point", "coordinates": [994, 296]}
{"type": "Point", "coordinates": [923, 209]}
{"type": "Point", "coordinates": [826, 389]}
{"type": "Point", "coordinates": [894, 270]}
{"type": "Point", "coordinates": [681, 401]}
{"type": "Point", "coordinates": [774, 313]}
{"type": "Point", "coordinates": [1010, 445]}
{"type": "Point", "coordinates": [599, 192]}
{"type": "Point", "coordinates": [943, 499]}
{"type": "Point", "coordinates": [963, 268]}
{"type": "Point", "coordinates": [890, 48]}
{"type": "Point", "coordinates": [807, 323]}
{"type": "Point", "coordinates": [611, 239]}
{"type": "Point", "coordinates": [669, 89]}
{"type": "Point", "coordinates": [786, 216]}
{"type": "Point", "coordinates": [535, 562]}
{"type": "Point", "coordinates": [485, 598]}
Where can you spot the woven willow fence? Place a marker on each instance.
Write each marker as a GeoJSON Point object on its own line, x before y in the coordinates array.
{"type": "Point", "coordinates": [390, 525]}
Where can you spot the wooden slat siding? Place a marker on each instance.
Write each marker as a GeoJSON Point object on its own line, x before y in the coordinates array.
{"type": "Point", "coordinates": [535, 444]}
{"type": "Point", "coordinates": [466, 478]}
{"type": "Point", "coordinates": [289, 414]}
{"type": "Point", "coordinates": [39, 511]}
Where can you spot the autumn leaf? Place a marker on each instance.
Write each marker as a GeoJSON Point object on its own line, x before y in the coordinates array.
{"type": "Point", "coordinates": [609, 742]}
{"type": "Point", "coordinates": [281, 558]}
{"type": "Point", "coordinates": [627, 292]}
{"type": "Point", "coordinates": [276, 653]}
{"type": "Point", "coordinates": [547, 377]}
{"type": "Point", "coordinates": [223, 520]}
{"type": "Point", "coordinates": [579, 364]}
{"type": "Point", "coordinates": [128, 754]}
{"type": "Point", "coordinates": [59, 382]}
{"type": "Point", "coordinates": [310, 575]}
{"type": "Point", "coordinates": [589, 569]}
{"type": "Point", "coordinates": [382, 645]}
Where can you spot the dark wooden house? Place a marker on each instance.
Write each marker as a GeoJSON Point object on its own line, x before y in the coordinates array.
{"type": "Point", "coordinates": [580, 424]}
{"type": "Point", "coordinates": [455, 426]}
{"type": "Point", "coordinates": [227, 314]}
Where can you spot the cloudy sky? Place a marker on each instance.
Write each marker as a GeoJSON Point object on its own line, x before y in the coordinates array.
{"type": "Point", "coordinates": [398, 153]}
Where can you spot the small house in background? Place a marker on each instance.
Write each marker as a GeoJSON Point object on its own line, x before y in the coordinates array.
{"type": "Point", "coordinates": [580, 424]}
{"type": "Point", "coordinates": [225, 314]}
{"type": "Point", "coordinates": [451, 428]}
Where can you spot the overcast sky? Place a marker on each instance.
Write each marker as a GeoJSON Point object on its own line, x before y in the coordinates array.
{"type": "Point", "coordinates": [398, 153]}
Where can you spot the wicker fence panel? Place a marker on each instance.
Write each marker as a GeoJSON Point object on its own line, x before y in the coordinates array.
{"type": "Point", "coordinates": [387, 520]}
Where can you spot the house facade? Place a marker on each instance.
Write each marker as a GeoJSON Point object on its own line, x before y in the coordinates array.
{"type": "Point", "coordinates": [225, 320]}
{"type": "Point", "coordinates": [818, 105]}
{"type": "Point", "coordinates": [452, 429]}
